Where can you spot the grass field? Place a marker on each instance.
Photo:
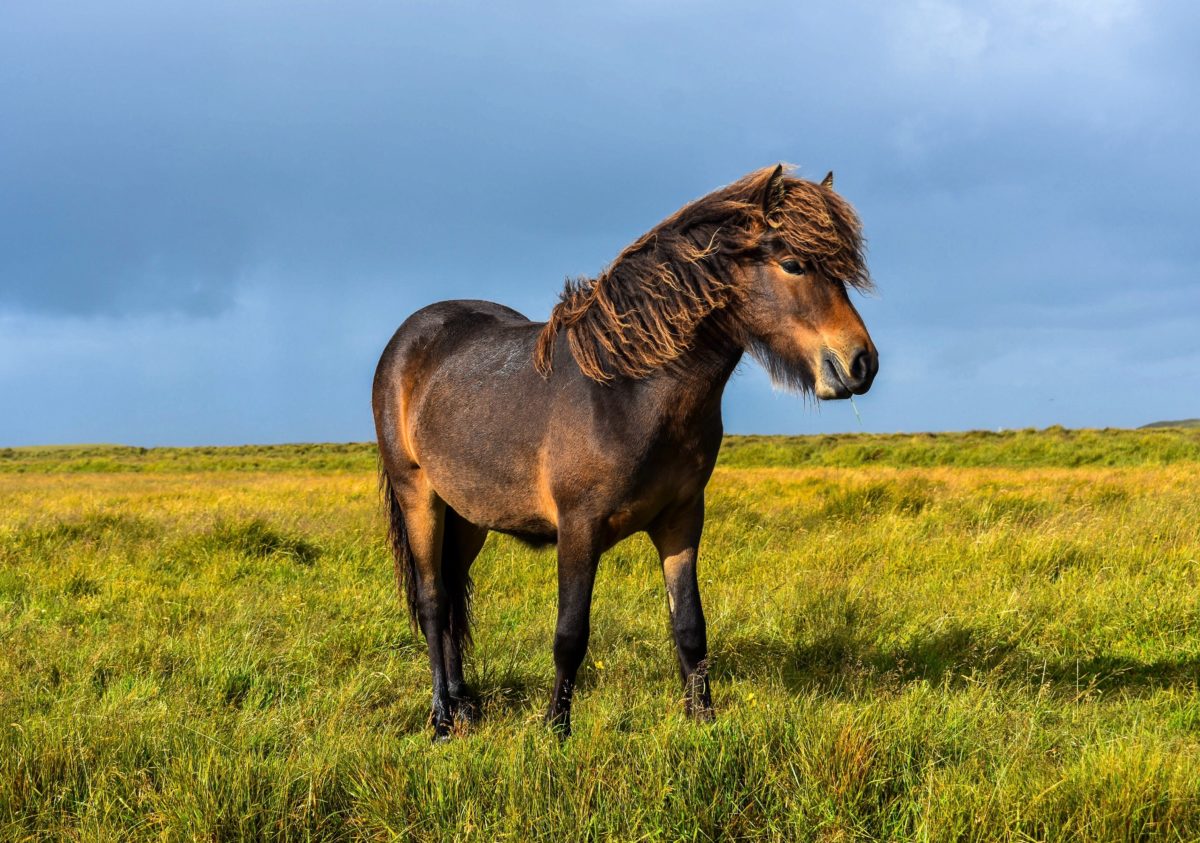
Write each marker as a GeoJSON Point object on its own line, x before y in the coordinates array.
{"type": "Point", "coordinates": [955, 637]}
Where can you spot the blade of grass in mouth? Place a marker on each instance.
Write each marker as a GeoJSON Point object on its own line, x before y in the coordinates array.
{"type": "Point", "coordinates": [856, 415]}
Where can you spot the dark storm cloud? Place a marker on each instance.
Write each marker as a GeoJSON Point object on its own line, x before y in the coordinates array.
{"type": "Point", "coordinates": [174, 150]}
{"type": "Point", "coordinates": [189, 193]}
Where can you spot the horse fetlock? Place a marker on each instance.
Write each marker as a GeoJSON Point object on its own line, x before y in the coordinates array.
{"type": "Point", "coordinates": [559, 720]}
{"type": "Point", "coordinates": [464, 705]}
{"type": "Point", "coordinates": [702, 712]}
{"type": "Point", "coordinates": [558, 714]}
{"type": "Point", "coordinates": [699, 707]}
{"type": "Point", "coordinates": [697, 695]}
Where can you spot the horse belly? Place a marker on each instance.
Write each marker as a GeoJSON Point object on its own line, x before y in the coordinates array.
{"type": "Point", "coordinates": [484, 457]}
{"type": "Point", "coordinates": [495, 496]}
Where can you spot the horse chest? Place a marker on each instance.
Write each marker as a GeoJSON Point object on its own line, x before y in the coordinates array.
{"type": "Point", "coordinates": [637, 495]}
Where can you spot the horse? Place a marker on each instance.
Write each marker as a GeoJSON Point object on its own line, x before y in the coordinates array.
{"type": "Point", "coordinates": [605, 420]}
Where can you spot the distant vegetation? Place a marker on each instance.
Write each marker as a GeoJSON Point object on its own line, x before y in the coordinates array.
{"type": "Point", "coordinates": [1180, 423]}
{"type": "Point", "coordinates": [954, 637]}
{"type": "Point", "coordinates": [55, 459]}
{"type": "Point", "coordinates": [1052, 447]}
{"type": "Point", "coordinates": [1047, 448]}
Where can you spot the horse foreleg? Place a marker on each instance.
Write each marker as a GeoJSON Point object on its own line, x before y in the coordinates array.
{"type": "Point", "coordinates": [677, 539]}
{"type": "Point", "coordinates": [577, 561]}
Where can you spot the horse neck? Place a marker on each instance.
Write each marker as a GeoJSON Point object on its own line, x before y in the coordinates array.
{"type": "Point", "coordinates": [690, 388]}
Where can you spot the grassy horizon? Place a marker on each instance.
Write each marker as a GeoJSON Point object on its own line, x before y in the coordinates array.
{"type": "Point", "coordinates": [1026, 448]}
{"type": "Point", "coordinates": [933, 637]}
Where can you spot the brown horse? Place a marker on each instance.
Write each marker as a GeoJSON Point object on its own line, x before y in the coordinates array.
{"type": "Point", "coordinates": [606, 420]}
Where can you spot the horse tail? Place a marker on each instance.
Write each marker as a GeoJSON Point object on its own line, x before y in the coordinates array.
{"type": "Point", "coordinates": [456, 580]}
{"type": "Point", "coordinates": [402, 555]}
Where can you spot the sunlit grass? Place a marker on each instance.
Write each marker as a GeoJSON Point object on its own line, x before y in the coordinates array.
{"type": "Point", "coordinates": [940, 653]}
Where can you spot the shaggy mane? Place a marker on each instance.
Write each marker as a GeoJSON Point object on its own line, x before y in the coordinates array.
{"type": "Point", "coordinates": [645, 309]}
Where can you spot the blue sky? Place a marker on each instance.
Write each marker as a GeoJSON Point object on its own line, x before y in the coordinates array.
{"type": "Point", "coordinates": [212, 216]}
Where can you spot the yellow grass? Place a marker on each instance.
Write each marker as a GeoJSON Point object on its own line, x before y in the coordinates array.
{"type": "Point", "coordinates": [942, 653]}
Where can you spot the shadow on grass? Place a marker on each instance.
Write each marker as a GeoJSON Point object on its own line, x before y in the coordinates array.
{"type": "Point", "coordinates": [845, 662]}
{"type": "Point", "coordinates": [509, 692]}
{"type": "Point", "coordinates": [848, 662]}
{"type": "Point", "coordinates": [256, 539]}
{"type": "Point", "coordinates": [38, 540]}
{"type": "Point", "coordinates": [1108, 673]}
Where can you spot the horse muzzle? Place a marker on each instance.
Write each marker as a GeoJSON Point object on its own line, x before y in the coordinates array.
{"type": "Point", "coordinates": [839, 381]}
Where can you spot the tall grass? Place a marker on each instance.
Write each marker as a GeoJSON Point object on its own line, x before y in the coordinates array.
{"type": "Point", "coordinates": [928, 652]}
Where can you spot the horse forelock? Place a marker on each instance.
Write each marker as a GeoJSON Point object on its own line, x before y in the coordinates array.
{"type": "Point", "coordinates": [817, 224]}
{"type": "Point", "coordinates": [645, 309]}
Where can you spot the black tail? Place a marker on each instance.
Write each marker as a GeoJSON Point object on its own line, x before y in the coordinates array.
{"type": "Point", "coordinates": [402, 556]}
{"type": "Point", "coordinates": [456, 579]}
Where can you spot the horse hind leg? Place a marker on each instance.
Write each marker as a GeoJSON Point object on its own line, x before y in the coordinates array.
{"type": "Point", "coordinates": [461, 543]}
{"type": "Point", "coordinates": [418, 518]}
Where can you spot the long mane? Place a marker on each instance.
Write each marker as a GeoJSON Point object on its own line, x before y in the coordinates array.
{"type": "Point", "coordinates": [646, 308]}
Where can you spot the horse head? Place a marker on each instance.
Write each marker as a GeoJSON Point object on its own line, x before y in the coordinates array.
{"type": "Point", "coordinates": [795, 304]}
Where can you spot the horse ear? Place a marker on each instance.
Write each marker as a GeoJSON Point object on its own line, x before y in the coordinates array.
{"type": "Point", "coordinates": [773, 197]}
{"type": "Point", "coordinates": [828, 180]}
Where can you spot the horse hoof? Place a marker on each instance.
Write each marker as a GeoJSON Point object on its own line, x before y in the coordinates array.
{"type": "Point", "coordinates": [465, 707]}
{"type": "Point", "coordinates": [443, 727]}
{"type": "Point", "coordinates": [701, 712]}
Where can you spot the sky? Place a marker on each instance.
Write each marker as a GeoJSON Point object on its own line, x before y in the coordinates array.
{"type": "Point", "coordinates": [214, 215]}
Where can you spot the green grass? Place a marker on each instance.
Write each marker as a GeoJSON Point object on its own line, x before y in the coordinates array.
{"type": "Point", "coordinates": [1051, 447]}
{"type": "Point", "coordinates": [957, 637]}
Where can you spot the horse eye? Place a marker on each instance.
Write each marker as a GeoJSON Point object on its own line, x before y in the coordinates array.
{"type": "Point", "coordinates": [793, 267]}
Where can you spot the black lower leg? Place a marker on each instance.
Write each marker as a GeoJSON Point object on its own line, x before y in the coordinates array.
{"type": "Point", "coordinates": [576, 575]}
{"type": "Point", "coordinates": [462, 700]}
{"type": "Point", "coordinates": [691, 646]}
{"type": "Point", "coordinates": [461, 543]}
{"type": "Point", "coordinates": [433, 623]}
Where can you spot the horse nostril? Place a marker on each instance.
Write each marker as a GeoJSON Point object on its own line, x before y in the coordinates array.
{"type": "Point", "coordinates": [860, 367]}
